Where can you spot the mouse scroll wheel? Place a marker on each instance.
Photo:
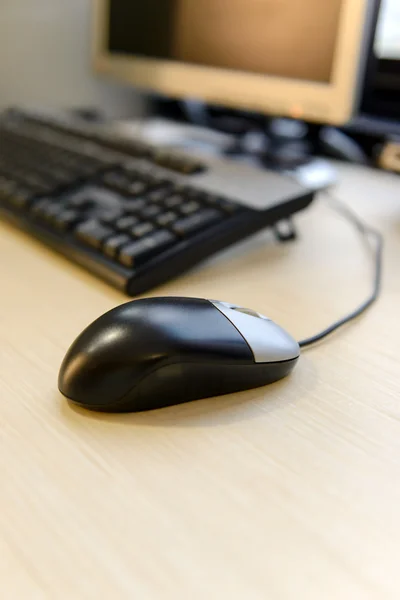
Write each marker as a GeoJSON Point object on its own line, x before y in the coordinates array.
{"type": "Point", "coordinates": [240, 309]}
{"type": "Point", "coordinates": [251, 313]}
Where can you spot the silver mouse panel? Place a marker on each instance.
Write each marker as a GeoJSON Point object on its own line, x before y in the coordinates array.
{"type": "Point", "coordinates": [267, 341]}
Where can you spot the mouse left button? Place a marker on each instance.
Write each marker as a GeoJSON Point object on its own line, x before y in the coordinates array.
{"type": "Point", "coordinates": [92, 376]}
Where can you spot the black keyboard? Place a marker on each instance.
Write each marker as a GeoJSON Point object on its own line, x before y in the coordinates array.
{"type": "Point", "coordinates": [124, 210]}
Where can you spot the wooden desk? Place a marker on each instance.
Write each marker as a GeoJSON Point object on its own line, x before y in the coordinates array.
{"type": "Point", "coordinates": [288, 492]}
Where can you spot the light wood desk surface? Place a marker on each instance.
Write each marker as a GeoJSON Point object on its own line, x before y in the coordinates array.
{"type": "Point", "coordinates": [288, 492]}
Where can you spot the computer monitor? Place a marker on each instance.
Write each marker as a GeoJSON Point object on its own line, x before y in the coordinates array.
{"type": "Point", "coordinates": [297, 58]}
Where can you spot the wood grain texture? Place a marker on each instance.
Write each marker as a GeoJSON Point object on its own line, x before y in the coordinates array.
{"type": "Point", "coordinates": [289, 492]}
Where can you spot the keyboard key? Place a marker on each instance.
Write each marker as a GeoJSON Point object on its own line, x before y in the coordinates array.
{"type": "Point", "coordinates": [52, 211]}
{"type": "Point", "coordinates": [113, 245]}
{"type": "Point", "coordinates": [46, 209]}
{"type": "Point", "coordinates": [195, 222]}
{"type": "Point", "coordinates": [93, 233]}
{"type": "Point", "coordinates": [151, 211]}
{"type": "Point", "coordinates": [20, 197]}
{"type": "Point", "coordinates": [111, 216]}
{"type": "Point", "coordinates": [126, 223]}
{"type": "Point", "coordinates": [159, 195]}
{"type": "Point", "coordinates": [166, 219]}
{"type": "Point", "coordinates": [40, 207]}
{"type": "Point", "coordinates": [190, 208]}
{"type": "Point", "coordinates": [150, 180]}
{"type": "Point", "coordinates": [133, 206]}
{"type": "Point", "coordinates": [174, 201]}
{"type": "Point", "coordinates": [82, 202]}
{"type": "Point", "coordinates": [116, 181]}
{"type": "Point", "coordinates": [132, 174]}
{"type": "Point", "coordinates": [138, 252]}
{"type": "Point", "coordinates": [142, 229]}
{"type": "Point", "coordinates": [66, 219]}
{"type": "Point", "coordinates": [137, 188]}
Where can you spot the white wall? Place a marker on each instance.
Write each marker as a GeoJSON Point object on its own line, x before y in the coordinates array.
{"type": "Point", "coordinates": [388, 34]}
{"type": "Point", "coordinates": [45, 58]}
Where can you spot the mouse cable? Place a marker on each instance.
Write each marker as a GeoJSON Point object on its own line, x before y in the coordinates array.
{"type": "Point", "coordinates": [368, 233]}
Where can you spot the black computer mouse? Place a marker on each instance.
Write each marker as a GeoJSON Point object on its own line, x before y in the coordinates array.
{"type": "Point", "coordinates": [157, 352]}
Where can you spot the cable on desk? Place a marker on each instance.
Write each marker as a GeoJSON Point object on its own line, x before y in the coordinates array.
{"type": "Point", "coordinates": [368, 233]}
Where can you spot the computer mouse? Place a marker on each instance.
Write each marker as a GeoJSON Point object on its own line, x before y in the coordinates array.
{"type": "Point", "coordinates": [157, 352]}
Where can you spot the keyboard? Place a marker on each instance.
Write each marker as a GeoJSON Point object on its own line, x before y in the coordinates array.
{"type": "Point", "coordinates": [131, 213]}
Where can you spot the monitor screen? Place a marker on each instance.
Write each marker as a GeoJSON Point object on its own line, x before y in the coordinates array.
{"type": "Point", "coordinates": [387, 41]}
{"type": "Point", "coordinates": [293, 39]}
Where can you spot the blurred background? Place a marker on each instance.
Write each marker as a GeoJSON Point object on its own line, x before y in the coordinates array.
{"type": "Point", "coordinates": [388, 33]}
{"type": "Point", "coordinates": [45, 63]}
{"type": "Point", "coordinates": [45, 59]}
